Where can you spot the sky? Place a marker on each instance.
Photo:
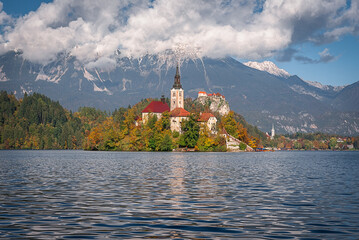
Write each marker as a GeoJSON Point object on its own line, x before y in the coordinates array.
{"type": "Point", "coordinates": [316, 40]}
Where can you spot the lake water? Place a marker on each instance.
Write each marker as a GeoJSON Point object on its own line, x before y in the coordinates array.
{"type": "Point", "coordinates": [97, 195]}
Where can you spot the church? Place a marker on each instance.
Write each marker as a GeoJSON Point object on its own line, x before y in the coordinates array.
{"type": "Point", "coordinates": [176, 110]}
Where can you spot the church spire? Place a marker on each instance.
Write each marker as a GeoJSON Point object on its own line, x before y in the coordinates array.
{"type": "Point", "coordinates": [177, 83]}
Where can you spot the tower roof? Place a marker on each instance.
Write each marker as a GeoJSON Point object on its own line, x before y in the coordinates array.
{"type": "Point", "coordinates": [177, 83]}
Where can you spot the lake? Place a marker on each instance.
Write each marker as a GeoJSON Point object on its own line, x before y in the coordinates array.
{"type": "Point", "coordinates": [97, 195]}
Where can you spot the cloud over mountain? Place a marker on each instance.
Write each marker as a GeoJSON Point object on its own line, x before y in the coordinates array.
{"type": "Point", "coordinates": [93, 30]}
{"type": "Point", "coordinates": [325, 57]}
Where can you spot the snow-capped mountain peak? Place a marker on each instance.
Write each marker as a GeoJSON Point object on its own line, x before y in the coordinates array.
{"type": "Point", "coordinates": [269, 67]}
{"type": "Point", "coordinates": [325, 87]}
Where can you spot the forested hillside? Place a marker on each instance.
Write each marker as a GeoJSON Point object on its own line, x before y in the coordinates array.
{"type": "Point", "coordinates": [37, 122]}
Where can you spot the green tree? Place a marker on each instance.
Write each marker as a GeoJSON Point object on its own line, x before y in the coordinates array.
{"type": "Point", "coordinates": [152, 119]}
{"type": "Point", "coordinates": [308, 145]}
{"type": "Point", "coordinates": [332, 143]}
{"type": "Point", "coordinates": [242, 146]}
{"type": "Point", "coordinates": [166, 143]}
{"type": "Point", "coordinates": [190, 132]}
{"type": "Point", "coordinates": [297, 145]}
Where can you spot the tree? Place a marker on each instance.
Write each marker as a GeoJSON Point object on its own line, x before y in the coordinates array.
{"type": "Point", "coordinates": [190, 132]}
{"type": "Point", "coordinates": [253, 143]}
{"type": "Point", "coordinates": [242, 134]}
{"type": "Point", "coordinates": [297, 145]}
{"type": "Point", "coordinates": [230, 124]}
{"type": "Point", "coordinates": [166, 143]}
{"type": "Point", "coordinates": [165, 121]}
{"type": "Point", "coordinates": [242, 146]}
{"type": "Point", "coordinates": [356, 143]}
{"type": "Point", "coordinates": [308, 145]}
{"type": "Point", "coordinates": [332, 143]}
{"type": "Point", "coordinates": [152, 119]}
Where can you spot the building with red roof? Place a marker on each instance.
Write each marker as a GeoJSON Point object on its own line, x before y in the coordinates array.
{"type": "Point", "coordinates": [209, 120]}
{"type": "Point", "coordinates": [177, 116]}
{"type": "Point", "coordinates": [204, 94]}
{"type": "Point", "coordinates": [155, 108]}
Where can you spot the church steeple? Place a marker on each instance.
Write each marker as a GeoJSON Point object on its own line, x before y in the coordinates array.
{"type": "Point", "coordinates": [272, 132]}
{"type": "Point", "coordinates": [177, 83]}
{"type": "Point", "coordinates": [177, 92]}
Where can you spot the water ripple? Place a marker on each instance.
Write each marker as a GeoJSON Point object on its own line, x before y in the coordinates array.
{"type": "Point", "coordinates": [97, 195]}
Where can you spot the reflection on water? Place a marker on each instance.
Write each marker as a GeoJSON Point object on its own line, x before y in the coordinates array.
{"type": "Point", "coordinates": [177, 166]}
{"type": "Point", "coordinates": [76, 194]}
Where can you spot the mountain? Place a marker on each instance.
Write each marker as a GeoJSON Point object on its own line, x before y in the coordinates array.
{"type": "Point", "coordinates": [348, 98]}
{"type": "Point", "coordinates": [289, 103]}
{"type": "Point", "coordinates": [269, 67]}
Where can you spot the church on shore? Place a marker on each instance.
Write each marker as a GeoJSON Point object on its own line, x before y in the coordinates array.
{"type": "Point", "coordinates": [176, 109]}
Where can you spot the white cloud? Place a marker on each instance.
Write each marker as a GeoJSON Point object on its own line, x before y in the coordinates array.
{"type": "Point", "coordinates": [92, 30]}
{"type": "Point", "coordinates": [104, 63]}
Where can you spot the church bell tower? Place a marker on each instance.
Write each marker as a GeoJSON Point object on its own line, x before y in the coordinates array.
{"type": "Point", "coordinates": [272, 133]}
{"type": "Point", "coordinates": [177, 92]}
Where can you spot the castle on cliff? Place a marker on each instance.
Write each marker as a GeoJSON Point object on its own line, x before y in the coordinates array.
{"type": "Point", "coordinates": [176, 108]}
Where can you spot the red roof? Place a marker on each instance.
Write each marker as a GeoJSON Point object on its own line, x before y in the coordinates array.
{"type": "Point", "coordinates": [204, 117]}
{"type": "Point", "coordinates": [202, 92]}
{"type": "Point", "coordinates": [156, 107]}
{"type": "Point", "coordinates": [215, 94]}
{"type": "Point", "coordinates": [179, 112]}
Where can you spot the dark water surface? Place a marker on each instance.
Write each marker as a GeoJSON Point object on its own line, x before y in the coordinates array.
{"type": "Point", "coordinates": [276, 195]}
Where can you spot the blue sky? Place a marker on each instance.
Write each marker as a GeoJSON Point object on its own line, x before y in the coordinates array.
{"type": "Point", "coordinates": [316, 40]}
{"type": "Point", "coordinates": [342, 70]}
{"type": "Point", "coordinates": [18, 8]}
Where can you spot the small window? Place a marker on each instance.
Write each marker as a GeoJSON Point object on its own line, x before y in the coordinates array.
{"type": "Point", "coordinates": [180, 94]}
{"type": "Point", "coordinates": [174, 94]}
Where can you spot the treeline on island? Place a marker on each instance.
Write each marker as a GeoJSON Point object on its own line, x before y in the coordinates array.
{"type": "Point", "coordinates": [37, 122]}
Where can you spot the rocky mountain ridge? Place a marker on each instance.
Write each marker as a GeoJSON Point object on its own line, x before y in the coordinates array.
{"type": "Point", "coordinates": [269, 67]}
